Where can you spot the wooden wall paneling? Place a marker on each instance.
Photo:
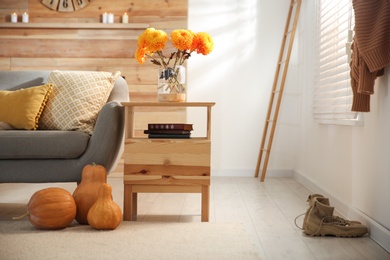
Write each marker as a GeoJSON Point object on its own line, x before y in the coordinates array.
{"type": "Point", "coordinates": [70, 63]}
{"type": "Point", "coordinates": [70, 34]}
{"type": "Point", "coordinates": [82, 48]}
{"type": "Point", "coordinates": [13, 5]}
{"type": "Point", "coordinates": [136, 75]}
{"type": "Point", "coordinates": [5, 63]}
{"type": "Point", "coordinates": [155, 10]}
{"type": "Point", "coordinates": [7, 7]}
{"type": "Point", "coordinates": [170, 25]}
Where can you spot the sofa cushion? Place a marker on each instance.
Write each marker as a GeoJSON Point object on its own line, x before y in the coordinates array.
{"type": "Point", "coordinates": [22, 108]}
{"type": "Point", "coordinates": [42, 144]}
{"type": "Point", "coordinates": [76, 99]}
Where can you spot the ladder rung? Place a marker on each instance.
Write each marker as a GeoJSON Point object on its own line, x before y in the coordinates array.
{"type": "Point", "coordinates": [287, 33]}
{"type": "Point", "coordinates": [271, 120]}
{"type": "Point", "coordinates": [264, 150]}
{"type": "Point", "coordinates": [283, 61]}
{"type": "Point", "coordinates": [276, 91]}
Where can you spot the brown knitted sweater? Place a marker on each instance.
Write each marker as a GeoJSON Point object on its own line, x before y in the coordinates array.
{"type": "Point", "coordinates": [371, 49]}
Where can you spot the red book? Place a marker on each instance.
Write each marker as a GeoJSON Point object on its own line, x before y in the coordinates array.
{"type": "Point", "coordinates": [170, 126]}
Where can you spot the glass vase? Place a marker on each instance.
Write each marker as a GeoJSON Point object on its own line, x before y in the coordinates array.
{"type": "Point", "coordinates": [171, 84]}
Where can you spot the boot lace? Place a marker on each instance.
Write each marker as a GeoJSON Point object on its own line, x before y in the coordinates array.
{"type": "Point", "coordinates": [328, 220]}
{"type": "Point", "coordinates": [332, 220]}
{"type": "Point", "coordinates": [295, 221]}
{"type": "Point", "coordinates": [336, 220]}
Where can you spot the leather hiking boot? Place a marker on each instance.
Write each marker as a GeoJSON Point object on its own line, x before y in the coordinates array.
{"type": "Point", "coordinates": [321, 222]}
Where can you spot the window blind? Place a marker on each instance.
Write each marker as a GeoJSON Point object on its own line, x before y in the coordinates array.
{"type": "Point", "coordinates": [332, 90]}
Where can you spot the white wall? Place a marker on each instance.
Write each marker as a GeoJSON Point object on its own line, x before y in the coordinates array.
{"type": "Point", "coordinates": [350, 164]}
{"type": "Point", "coordinates": [237, 75]}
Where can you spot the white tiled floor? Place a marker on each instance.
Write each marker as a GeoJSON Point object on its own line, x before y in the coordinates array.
{"type": "Point", "coordinates": [266, 209]}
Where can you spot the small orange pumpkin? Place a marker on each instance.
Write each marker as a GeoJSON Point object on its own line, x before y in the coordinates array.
{"type": "Point", "coordinates": [105, 214]}
{"type": "Point", "coordinates": [51, 208]}
{"type": "Point", "coordinates": [86, 192]}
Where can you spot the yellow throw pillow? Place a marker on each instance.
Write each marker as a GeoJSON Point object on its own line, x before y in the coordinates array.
{"type": "Point", "coordinates": [76, 99]}
{"type": "Point", "coordinates": [22, 108]}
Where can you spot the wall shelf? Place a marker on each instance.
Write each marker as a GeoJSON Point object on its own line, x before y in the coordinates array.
{"type": "Point", "coordinates": [117, 26]}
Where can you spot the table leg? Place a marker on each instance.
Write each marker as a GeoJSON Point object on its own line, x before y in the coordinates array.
{"type": "Point", "coordinates": [126, 199]}
{"type": "Point", "coordinates": [205, 203]}
{"type": "Point", "coordinates": [129, 203]}
{"type": "Point", "coordinates": [134, 206]}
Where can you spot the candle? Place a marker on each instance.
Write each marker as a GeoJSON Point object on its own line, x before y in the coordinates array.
{"type": "Point", "coordinates": [14, 18]}
{"type": "Point", "coordinates": [125, 18]}
{"type": "Point", "coordinates": [104, 18]}
{"type": "Point", "coordinates": [110, 18]}
{"type": "Point", "coordinates": [25, 17]}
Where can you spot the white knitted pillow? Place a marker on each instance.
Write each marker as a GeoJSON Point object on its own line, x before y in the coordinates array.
{"type": "Point", "coordinates": [76, 99]}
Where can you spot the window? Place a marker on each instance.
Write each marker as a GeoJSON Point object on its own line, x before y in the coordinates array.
{"type": "Point", "coordinates": [332, 91]}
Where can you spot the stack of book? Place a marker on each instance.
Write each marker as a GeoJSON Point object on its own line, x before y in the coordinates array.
{"type": "Point", "coordinates": [169, 130]}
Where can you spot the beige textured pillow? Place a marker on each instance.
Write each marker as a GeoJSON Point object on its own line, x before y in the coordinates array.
{"type": "Point", "coordinates": [22, 108]}
{"type": "Point", "coordinates": [76, 99]}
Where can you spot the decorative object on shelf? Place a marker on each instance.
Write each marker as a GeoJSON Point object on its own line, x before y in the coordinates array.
{"type": "Point", "coordinates": [14, 18]}
{"type": "Point", "coordinates": [105, 17]}
{"type": "Point", "coordinates": [110, 18]}
{"type": "Point", "coordinates": [65, 5]}
{"type": "Point", "coordinates": [25, 17]}
{"type": "Point", "coordinates": [170, 126]}
{"type": "Point", "coordinates": [171, 84]}
{"type": "Point", "coordinates": [125, 18]}
{"type": "Point", "coordinates": [169, 130]}
{"type": "Point", "coordinates": [171, 77]}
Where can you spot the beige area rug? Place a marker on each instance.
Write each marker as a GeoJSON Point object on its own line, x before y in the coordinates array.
{"type": "Point", "coordinates": [131, 240]}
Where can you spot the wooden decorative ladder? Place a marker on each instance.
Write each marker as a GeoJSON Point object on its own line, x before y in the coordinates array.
{"type": "Point", "coordinates": [278, 87]}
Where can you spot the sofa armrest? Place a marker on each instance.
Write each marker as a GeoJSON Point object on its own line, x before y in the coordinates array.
{"type": "Point", "coordinates": [106, 142]}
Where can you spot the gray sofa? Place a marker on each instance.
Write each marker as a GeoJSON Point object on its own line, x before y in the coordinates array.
{"type": "Point", "coordinates": [59, 156]}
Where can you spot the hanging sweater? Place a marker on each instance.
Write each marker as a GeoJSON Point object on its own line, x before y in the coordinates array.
{"type": "Point", "coordinates": [371, 49]}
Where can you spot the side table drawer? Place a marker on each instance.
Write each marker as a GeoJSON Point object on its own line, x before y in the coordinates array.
{"type": "Point", "coordinates": [167, 161]}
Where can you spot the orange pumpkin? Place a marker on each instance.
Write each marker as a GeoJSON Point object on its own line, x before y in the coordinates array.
{"type": "Point", "coordinates": [105, 214]}
{"type": "Point", "coordinates": [86, 192]}
{"type": "Point", "coordinates": [51, 208]}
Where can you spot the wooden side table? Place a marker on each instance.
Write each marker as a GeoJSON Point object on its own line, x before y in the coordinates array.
{"type": "Point", "coordinates": [165, 165]}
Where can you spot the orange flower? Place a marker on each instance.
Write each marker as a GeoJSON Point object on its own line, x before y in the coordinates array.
{"type": "Point", "coordinates": [202, 43]}
{"type": "Point", "coordinates": [182, 39]}
{"type": "Point", "coordinates": [152, 40]}
{"type": "Point", "coordinates": [140, 55]}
